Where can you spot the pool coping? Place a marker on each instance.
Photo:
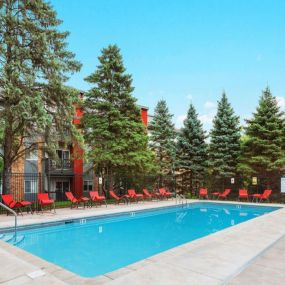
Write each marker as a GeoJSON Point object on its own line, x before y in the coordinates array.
{"type": "Point", "coordinates": [71, 278]}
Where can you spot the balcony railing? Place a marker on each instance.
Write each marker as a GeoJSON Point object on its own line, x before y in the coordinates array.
{"type": "Point", "coordinates": [62, 164]}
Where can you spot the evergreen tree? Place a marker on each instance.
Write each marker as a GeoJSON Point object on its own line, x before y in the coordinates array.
{"type": "Point", "coordinates": [114, 131]}
{"type": "Point", "coordinates": [224, 148]}
{"type": "Point", "coordinates": [263, 145]}
{"type": "Point", "coordinates": [192, 148]}
{"type": "Point", "coordinates": [162, 138]}
{"type": "Point", "coordinates": [34, 64]}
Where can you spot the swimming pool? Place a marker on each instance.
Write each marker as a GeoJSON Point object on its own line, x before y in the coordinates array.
{"type": "Point", "coordinates": [91, 247]}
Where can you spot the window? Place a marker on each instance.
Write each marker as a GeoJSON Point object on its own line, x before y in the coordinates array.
{"type": "Point", "coordinates": [88, 185]}
{"type": "Point", "coordinates": [63, 154]}
{"type": "Point", "coordinates": [31, 186]}
{"type": "Point", "coordinates": [32, 155]}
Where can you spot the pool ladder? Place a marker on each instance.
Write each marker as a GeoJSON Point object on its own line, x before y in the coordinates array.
{"type": "Point", "coordinates": [181, 199]}
{"type": "Point", "coordinates": [14, 237]}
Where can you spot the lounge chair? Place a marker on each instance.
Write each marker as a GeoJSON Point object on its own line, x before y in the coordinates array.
{"type": "Point", "coordinates": [148, 195]}
{"type": "Point", "coordinates": [18, 206]}
{"type": "Point", "coordinates": [96, 198]}
{"type": "Point", "coordinates": [203, 193]}
{"type": "Point", "coordinates": [44, 200]}
{"type": "Point", "coordinates": [76, 201]}
{"type": "Point", "coordinates": [118, 199]}
{"type": "Point", "coordinates": [225, 194]}
{"type": "Point", "coordinates": [164, 193]}
{"type": "Point", "coordinates": [262, 197]}
{"type": "Point", "coordinates": [134, 196]}
{"type": "Point", "coordinates": [216, 194]}
{"type": "Point", "coordinates": [243, 194]}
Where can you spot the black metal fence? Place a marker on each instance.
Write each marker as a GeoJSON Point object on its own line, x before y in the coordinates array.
{"type": "Point", "coordinates": [26, 186]}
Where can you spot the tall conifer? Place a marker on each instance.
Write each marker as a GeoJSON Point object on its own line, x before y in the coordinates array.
{"type": "Point", "coordinates": [224, 141]}
{"type": "Point", "coordinates": [116, 137]}
{"type": "Point", "coordinates": [192, 148]}
{"type": "Point", "coordinates": [263, 152]}
{"type": "Point", "coordinates": [162, 137]}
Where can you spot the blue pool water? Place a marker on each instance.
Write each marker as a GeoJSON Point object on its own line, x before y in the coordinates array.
{"type": "Point", "coordinates": [96, 246]}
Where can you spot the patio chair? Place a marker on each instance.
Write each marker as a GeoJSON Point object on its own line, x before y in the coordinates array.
{"type": "Point", "coordinates": [203, 193]}
{"type": "Point", "coordinates": [243, 194]}
{"type": "Point", "coordinates": [96, 198]}
{"type": "Point", "coordinates": [262, 197]}
{"type": "Point", "coordinates": [44, 200]}
{"type": "Point", "coordinates": [216, 194]}
{"type": "Point", "coordinates": [134, 196]}
{"type": "Point", "coordinates": [76, 201]}
{"type": "Point", "coordinates": [14, 205]}
{"type": "Point", "coordinates": [164, 193]}
{"type": "Point", "coordinates": [148, 195]}
{"type": "Point", "coordinates": [225, 194]}
{"type": "Point", "coordinates": [118, 199]}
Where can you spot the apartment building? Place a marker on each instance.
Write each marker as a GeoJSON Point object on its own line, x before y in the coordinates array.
{"type": "Point", "coordinates": [36, 172]}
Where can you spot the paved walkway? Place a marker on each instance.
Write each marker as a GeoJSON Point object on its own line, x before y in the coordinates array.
{"type": "Point", "coordinates": [230, 256]}
{"type": "Point", "coordinates": [268, 268]}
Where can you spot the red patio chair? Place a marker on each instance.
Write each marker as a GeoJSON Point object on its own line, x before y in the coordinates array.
{"type": "Point", "coordinates": [243, 194]}
{"type": "Point", "coordinates": [203, 193]}
{"type": "Point", "coordinates": [225, 194]}
{"type": "Point", "coordinates": [216, 194]}
{"type": "Point", "coordinates": [14, 205]}
{"type": "Point", "coordinates": [44, 200]}
{"type": "Point", "coordinates": [264, 196]}
{"type": "Point", "coordinates": [95, 197]}
{"type": "Point", "coordinates": [118, 199]}
{"type": "Point", "coordinates": [164, 193]}
{"type": "Point", "coordinates": [148, 195]}
{"type": "Point", "coordinates": [76, 201]}
{"type": "Point", "coordinates": [134, 196]}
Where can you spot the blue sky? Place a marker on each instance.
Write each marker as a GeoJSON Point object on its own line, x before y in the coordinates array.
{"type": "Point", "coordinates": [184, 50]}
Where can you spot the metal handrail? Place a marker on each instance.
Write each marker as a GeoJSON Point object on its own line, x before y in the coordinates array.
{"type": "Point", "coordinates": [15, 215]}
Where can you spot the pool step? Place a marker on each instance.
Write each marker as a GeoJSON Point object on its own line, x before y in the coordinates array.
{"type": "Point", "coordinates": [18, 240]}
{"type": "Point", "coordinates": [11, 238]}
{"type": "Point", "coordinates": [8, 238]}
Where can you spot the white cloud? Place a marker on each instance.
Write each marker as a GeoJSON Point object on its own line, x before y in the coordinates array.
{"type": "Point", "coordinates": [281, 102]}
{"type": "Point", "coordinates": [209, 105]}
{"type": "Point", "coordinates": [189, 97]}
{"type": "Point", "coordinates": [207, 119]}
{"type": "Point", "coordinates": [179, 121]}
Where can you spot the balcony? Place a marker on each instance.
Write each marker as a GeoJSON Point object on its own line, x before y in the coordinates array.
{"type": "Point", "coordinates": [64, 166]}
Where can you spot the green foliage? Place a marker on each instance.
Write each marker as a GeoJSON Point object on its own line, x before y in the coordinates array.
{"type": "Point", "coordinates": [162, 137]}
{"type": "Point", "coordinates": [114, 131]}
{"type": "Point", "coordinates": [263, 147]}
{"type": "Point", "coordinates": [192, 149]}
{"type": "Point", "coordinates": [224, 148]}
{"type": "Point", "coordinates": [34, 65]}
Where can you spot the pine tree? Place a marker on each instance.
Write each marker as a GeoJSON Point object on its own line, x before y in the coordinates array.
{"type": "Point", "coordinates": [162, 138]}
{"type": "Point", "coordinates": [114, 131]}
{"type": "Point", "coordinates": [263, 151]}
{"type": "Point", "coordinates": [34, 64]}
{"type": "Point", "coordinates": [224, 148]}
{"type": "Point", "coordinates": [192, 148]}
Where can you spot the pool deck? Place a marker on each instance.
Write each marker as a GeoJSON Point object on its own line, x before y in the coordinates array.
{"type": "Point", "coordinates": [247, 253]}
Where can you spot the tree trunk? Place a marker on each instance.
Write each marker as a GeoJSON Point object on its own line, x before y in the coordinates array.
{"type": "Point", "coordinates": [7, 172]}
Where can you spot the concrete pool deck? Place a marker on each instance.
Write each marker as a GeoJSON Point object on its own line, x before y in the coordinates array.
{"type": "Point", "coordinates": [246, 253]}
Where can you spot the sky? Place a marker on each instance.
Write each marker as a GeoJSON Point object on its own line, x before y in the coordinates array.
{"type": "Point", "coordinates": [184, 50]}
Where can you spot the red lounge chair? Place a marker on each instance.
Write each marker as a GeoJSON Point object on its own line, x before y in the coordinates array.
{"type": "Point", "coordinates": [216, 194]}
{"type": "Point", "coordinates": [44, 200]}
{"type": "Point", "coordinates": [134, 196]}
{"type": "Point", "coordinates": [95, 197]}
{"type": "Point", "coordinates": [225, 194]}
{"type": "Point", "coordinates": [164, 193]}
{"type": "Point", "coordinates": [148, 195]}
{"type": "Point", "coordinates": [118, 199]}
{"type": "Point", "coordinates": [76, 201]}
{"type": "Point", "coordinates": [243, 194]}
{"type": "Point", "coordinates": [262, 197]}
{"type": "Point", "coordinates": [8, 201]}
{"type": "Point", "coordinates": [203, 193]}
